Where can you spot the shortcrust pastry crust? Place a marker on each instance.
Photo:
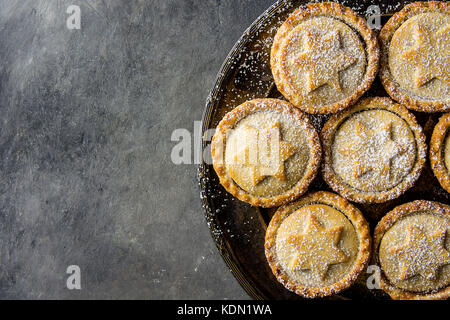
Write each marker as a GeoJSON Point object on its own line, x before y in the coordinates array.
{"type": "Point", "coordinates": [266, 152]}
{"type": "Point", "coordinates": [411, 245]}
{"type": "Point", "coordinates": [324, 57]}
{"type": "Point", "coordinates": [415, 56]}
{"type": "Point", "coordinates": [373, 152]}
{"type": "Point", "coordinates": [318, 245]}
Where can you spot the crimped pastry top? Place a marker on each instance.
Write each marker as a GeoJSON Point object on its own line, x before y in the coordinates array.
{"type": "Point", "coordinates": [374, 151]}
{"type": "Point", "coordinates": [419, 56]}
{"type": "Point", "coordinates": [411, 245]}
{"type": "Point", "coordinates": [317, 245]}
{"type": "Point", "coordinates": [278, 173]}
{"type": "Point", "coordinates": [323, 60]}
{"type": "Point", "coordinates": [324, 57]}
{"type": "Point", "coordinates": [414, 252]}
{"type": "Point", "coordinates": [266, 152]}
{"type": "Point", "coordinates": [415, 59]}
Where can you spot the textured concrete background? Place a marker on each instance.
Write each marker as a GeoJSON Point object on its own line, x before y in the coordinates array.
{"type": "Point", "coordinates": [86, 120]}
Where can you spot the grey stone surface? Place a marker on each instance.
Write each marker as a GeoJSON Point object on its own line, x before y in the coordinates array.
{"type": "Point", "coordinates": [86, 118]}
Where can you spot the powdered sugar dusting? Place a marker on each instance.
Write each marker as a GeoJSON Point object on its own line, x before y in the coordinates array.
{"type": "Point", "coordinates": [414, 251]}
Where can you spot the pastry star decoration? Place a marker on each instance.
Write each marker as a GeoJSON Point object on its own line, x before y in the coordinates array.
{"type": "Point", "coordinates": [372, 150]}
{"type": "Point", "coordinates": [317, 248]}
{"type": "Point", "coordinates": [265, 153]}
{"type": "Point", "coordinates": [422, 254]}
{"type": "Point", "coordinates": [323, 60]}
{"type": "Point", "coordinates": [430, 55]}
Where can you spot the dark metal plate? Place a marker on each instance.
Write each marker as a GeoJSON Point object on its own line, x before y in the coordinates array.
{"type": "Point", "coordinates": [237, 228]}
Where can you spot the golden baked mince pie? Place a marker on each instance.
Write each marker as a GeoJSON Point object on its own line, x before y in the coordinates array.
{"type": "Point", "coordinates": [373, 151]}
{"type": "Point", "coordinates": [440, 151]}
{"type": "Point", "coordinates": [411, 245]}
{"type": "Point", "coordinates": [266, 152]}
{"type": "Point", "coordinates": [415, 59]}
{"type": "Point", "coordinates": [324, 57]}
{"type": "Point", "coordinates": [318, 245]}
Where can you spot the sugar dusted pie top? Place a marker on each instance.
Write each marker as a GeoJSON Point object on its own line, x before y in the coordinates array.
{"type": "Point", "coordinates": [324, 60]}
{"type": "Point", "coordinates": [414, 253]}
{"type": "Point", "coordinates": [317, 245]}
{"type": "Point", "coordinates": [440, 151]}
{"type": "Point", "coordinates": [266, 152]}
{"type": "Point", "coordinates": [419, 55]}
{"type": "Point", "coordinates": [373, 151]}
{"type": "Point", "coordinates": [416, 56]}
{"type": "Point", "coordinates": [413, 250]}
{"type": "Point", "coordinates": [250, 162]}
{"type": "Point", "coordinates": [324, 57]}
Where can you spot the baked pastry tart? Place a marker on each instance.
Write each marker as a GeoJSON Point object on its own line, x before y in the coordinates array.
{"type": "Point", "coordinates": [415, 59]}
{"type": "Point", "coordinates": [373, 151]}
{"type": "Point", "coordinates": [324, 57]}
{"type": "Point", "coordinates": [266, 152]}
{"type": "Point", "coordinates": [411, 246]}
{"type": "Point", "coordinates": [440, 151]}
{"type": "Point", "coordinates": [318, 245]}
